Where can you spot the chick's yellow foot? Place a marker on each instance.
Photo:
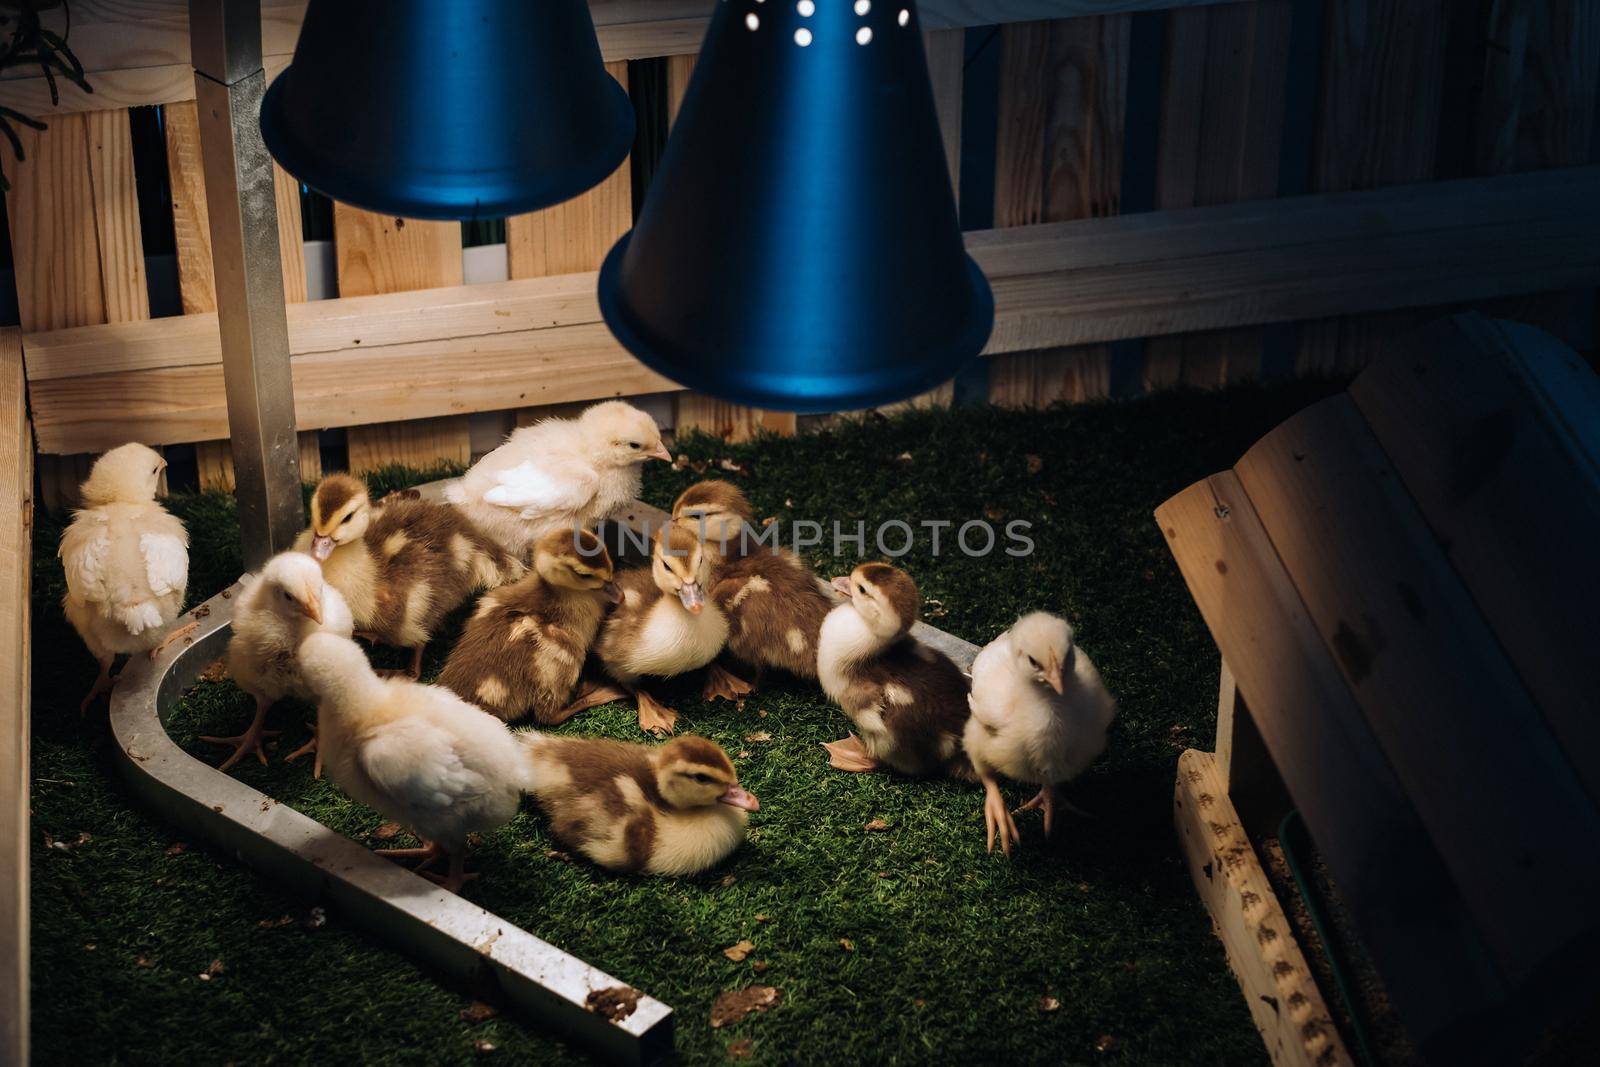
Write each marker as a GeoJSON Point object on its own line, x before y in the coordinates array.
{"type": "Point", "coordinates": [429, 854]}
{"type": "Point", "coordinates": [245, 744]}
{"type": "Point", "coordinates": [724, 685]}
{"type": "Point", "coordinates": [849, 754]}
{"type": "Point", "coordinates": [309, 749]}
{"type": "Point", "coordinates": [457, 877]}
{"type": "Point", "coordinates": [654, 716]}
{"type": "Point", "coordinates": [1046, 799]}
{"type": "Point", "coordinates": [997, 821]}
{"type": "Point", "coordinates": [174, 635]}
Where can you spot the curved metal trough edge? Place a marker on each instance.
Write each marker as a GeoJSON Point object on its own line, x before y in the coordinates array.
{"type": "Point", "coordinates": [465, 942]}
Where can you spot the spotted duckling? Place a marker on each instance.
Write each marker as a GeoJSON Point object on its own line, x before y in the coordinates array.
{"type": "Point", "coordinates": [774, 604]}
{"type": "Point", "coordinates": [673, 809]}
{"type": "Point", "coordinates": [402, 565]}
{"type": "Point", "coordinates": [908, 701]}
{"type": "Point", "coordinates": [664, 627]}
{"type": "Point", "coordinates": [524, 647]}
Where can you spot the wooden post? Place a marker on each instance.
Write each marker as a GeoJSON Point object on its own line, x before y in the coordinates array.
{"type": "Point", "coordinates": [1244, 764]}
{"type": "Point", "coordinates": [1058, 156]}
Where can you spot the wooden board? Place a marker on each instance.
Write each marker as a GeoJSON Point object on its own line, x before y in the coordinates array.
{"type": "Point", "coordinates": [1283, 997]}
{"type": "Point", "coordinates": [1438, 691]}
{"type": "Point", "coordinates": [1398, 890]}
{"type": "Point", "coordinates": [16, 554]}
{"type": "Point", "coordinates": [1484, 424]}
{"type": "Point", "coordinates": [382, 254]}
{"type": "Point", "coordinates": [1220, 141]}
{"type": "Point", "coordinates": [541, 340]}
{"type": "Point", "coordinates": [137, 51]}
{"type": "Point", "coordinates": [1058, 156]}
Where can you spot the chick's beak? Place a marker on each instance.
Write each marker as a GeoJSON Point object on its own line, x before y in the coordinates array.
{"type": "Point", "coordinates": [842, 586]}
{"type": "Point", "coordinates": [693, 595]}
{"type": "Point", "coordinates": [612, 593]}
{"type": "Point", "coordinates": [321, 547]}
{"type": "Point", "coordinates": [1053, 676]}
{"type": "Point", "coordinates": [659, 452]}
{"type": "Point", "coordinates": [740, 798]}
{"type": "Point", "coordinates": [312, 609]}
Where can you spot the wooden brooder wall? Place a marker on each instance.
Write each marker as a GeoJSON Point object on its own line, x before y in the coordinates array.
{"type": "Point", "coordinates": [1112, 124]}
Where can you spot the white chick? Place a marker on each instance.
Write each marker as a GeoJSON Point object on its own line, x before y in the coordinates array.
{"type": "Point", "coordinates": [418, 754]}
{"type": "Point", "coordinates": [1039, 714]}
{"type": "Point", "coordinates": [559, 474]}
{"type": "Point", "coordinates": [126, 561]}
{"type": "Point", "coordinates": [277, 610]}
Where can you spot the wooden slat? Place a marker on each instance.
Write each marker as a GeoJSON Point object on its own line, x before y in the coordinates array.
{"type": "Point", "coordinates": [541, 340]}
{"type": "Point", "coordinates": [1437, 689]}
{"type": "Point", "coordinates": [1383, 72]}
{"type": "Point", "coordinates": [1486, 428]}
{"type": "Point", "coordinates": [1220, 141]}
{"type": "Point", "coordinates": [1058, 156]}
{"type": "Point", "coordinates": [116, 216]}
{"type": "Point", "coordinates": [137, 51]}
{"type": "Point", "coordinates": [382, 254]}
{"type": "Point", "coordinates": [946, 51]}
{"type": "Point", "coordinates": [1389, 872]}
{"type": "Point", "coordinates": [1282, 995]}
{"type": "Point", "coordinates": [16, 552]}
{"type": "Point", "coordinates": [1244, 764]}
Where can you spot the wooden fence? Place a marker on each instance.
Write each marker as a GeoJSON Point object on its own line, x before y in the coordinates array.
{"type": "Point", "coordinates": [1184, 194]}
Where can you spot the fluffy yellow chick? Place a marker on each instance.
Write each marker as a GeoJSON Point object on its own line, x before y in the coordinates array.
{"type": "Point", "coordinates": [126, 561]}
{"type": "Point", "coordinates": [559, 474]}
{"type": "Point", "coordinates": [418, 754]}
{"type": "Point", "coordinates": [672, 810]}
{"type": "Point", "coordinates": [277, 610]}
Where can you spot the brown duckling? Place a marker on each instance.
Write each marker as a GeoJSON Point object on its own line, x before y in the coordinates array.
{"type": "Point", "coordinates": [908, 701]}
{"type": "Point", "coordinates": [774, 604]}
{"type": "Point", "coordinates": [664, 627]}
{"type": "Point", "coordinates": [673, 809]}
{"type": "Point", "coordinates": [402, 565]}
{"type": "Point", "coordinates": [524, 647]}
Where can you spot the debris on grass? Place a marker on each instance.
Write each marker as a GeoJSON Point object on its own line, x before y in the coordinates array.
{"type": "Point", "coordinates": [758, 737]}
{"type": "Point", "coordinates": [1035, 463]}
{"type": "Point", "coordinates": [876, 825]}
{"type": "Point", "coordinates": [274, 924]}
{"type": "Point", "coordinates": [557, 854]}
{"type": "Point", "coordinates": [143, 961]}
{"type": "Point", "coordinates": [316, 919]}
{"type": "Point", "coordinates": [737, 953]}
{"type": "Point", "coordinates": [216, 968]}
{"type": "Point", "coordinates": [485, 1048]}
{"type": "Point", "coordinates": [733, 1005]}
{"type": "Point", "coordinates": [177, 848]}
{"type": "Point", "coordinates": [741, 1049]}
{"type": "Point", "coordinates": [615, 1003]}
{"type": "Point", "coordinates": [1049, 1003]}
{"type": "Point", "coordinates": [478, 1012]}
{"type": "Point", "coordinates": [387, 831]}
{"type": "Point", "coordinates": [728, 880]}
{"type": "Point", "coordinates": [1107, 1043]}
{"type": "Point", "coordinates": [763, 918]}
{"type": "Point", "coordinates": [759, 965]}
{"type": "Point", "coordinates": [847, 944]}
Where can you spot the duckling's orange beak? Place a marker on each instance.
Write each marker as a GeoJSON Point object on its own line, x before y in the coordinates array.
{"type": "Point", "coordinates": [740, 798]}
{"type": "Point", "coordinates": [321, 548]}
{"type": "Point", "coordinates": [693, 595]}
{"type": "Point", "coordinates": [659, 452]}
{"type": "Point", "coordinates": [841, 585]}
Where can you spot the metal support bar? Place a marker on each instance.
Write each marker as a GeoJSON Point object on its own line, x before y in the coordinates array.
{"type": "Point", "coordinates": [229, 84]}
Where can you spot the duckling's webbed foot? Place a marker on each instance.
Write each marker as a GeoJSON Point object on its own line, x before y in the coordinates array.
{"type": "Point", "coordinates": [722, 684]}
{"type": "Point", "coordinates": [308, 749]}
{"type": "Point", "coordinates": [849, 754]}
{"type": "Point", "coordinates": [654, 716]}
{"type": "Point", "coordinates": [250, 741]}
{"type": "Point", "coordinates": [997, 821]}
{"type": "Point", "coordinates": [591, 695]}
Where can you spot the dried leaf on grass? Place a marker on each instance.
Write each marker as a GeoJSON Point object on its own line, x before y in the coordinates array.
{"type": "Point", "coordinates": [847, 944]}
{"type": "Point", "coordinates": [737, 953]}
{"type": "Point", "coordinates": [732, 1006]}
{"type": "Point", "coordinates": [387, 831]}
{"type": "Point", "coordinates": [758, 737]}
{"type": "Point", "coordinates": [876, 824]}
{"type": "Point", "coordinates": [741, 1049]}
{"type": "Point", "coordinates": [273, 924]}
{"type": "Point", "coordinates": [478, 1012]}
{"type": "Point", "coordinates": [1049, 1004]}
{"type": "Point", "coordinates": [1107, 1043]}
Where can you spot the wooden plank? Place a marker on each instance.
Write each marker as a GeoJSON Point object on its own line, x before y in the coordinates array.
{"type": "Point", "coordinates": [1220, 141]}
{"type": "Point", "coordinates": [16, 555]}
{"type": "Point", "coordinates": [541, 340]}
{"type": "Point", "coordinates": [1401, 896]}
{"type": "Point", "coordinates": [137, 51]}
{"type": "Point", "coordinates": [1282, 995]}
{"type": "Point", "coordinates": [1244, 764]}
{"type": "Point", "coordinates": [946, 50]}
{"type": "Point", "coordinates": [382, 254]}
{"type": "Point", "coordinates": [1383, 78]}
{"type": "Point", "coordinates": [116, 216]}
{"type": "Point", "coordinates": [1436, 687]}
{"type": "Point", "coordinates": [1487, 431]}
{"type": "Point", "coordinates": [1058, 156]}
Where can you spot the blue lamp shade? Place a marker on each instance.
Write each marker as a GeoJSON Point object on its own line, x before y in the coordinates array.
{"type": "Point", "coordinates": [799, 247]}
{"type": "Point", "coordinates": [459, 110]}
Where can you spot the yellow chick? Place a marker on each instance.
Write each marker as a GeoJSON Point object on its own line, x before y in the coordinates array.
{"type": "Point", "coordinates": [670, 810]}
{"type": "Point", "coordinates": [524, 647]}
{"type": "Point", "coordinates": [561, 474]}
{"type": "Point", "coordinates": [908, 701]}
{"type": "Point", "coordinates": [402, 565]}
{"type": "Point", "coordinates": [418, 754]}
{"type": "Point", "coordinates": [664, 627]}
{"type": "Point", "coordinates": [277, 610]}
{"type": "Point", "coordinates": [126, 562]}
{"type": "Point", "coordinates": [773, 602]}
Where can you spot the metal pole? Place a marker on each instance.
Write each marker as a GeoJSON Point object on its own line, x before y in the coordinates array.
{"type": "Point", "coordinates": [225, 38]}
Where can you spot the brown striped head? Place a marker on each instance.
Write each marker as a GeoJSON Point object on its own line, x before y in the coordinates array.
{"type": "Point", "coordinates": [576, 559]}
{"type": "Point", "coordinates": [884, 596]}
{"type": "Point", "coordinates": [681, 565]}
{"type": "Point", "coordinates": [340, 512]}
{"type": "Point", "coordinates": [714, 509]}
{"type": "Point", "coordinates": [692, 772]}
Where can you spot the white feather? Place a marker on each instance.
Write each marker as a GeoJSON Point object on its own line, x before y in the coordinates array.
{"type": "Point", "coordinates": [166, 562]}
{"type": "Point", "coordinates": [540, 488]}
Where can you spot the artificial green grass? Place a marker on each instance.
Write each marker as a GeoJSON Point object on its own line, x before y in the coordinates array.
{"type": "Point", "coordinates": [906, 944]}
